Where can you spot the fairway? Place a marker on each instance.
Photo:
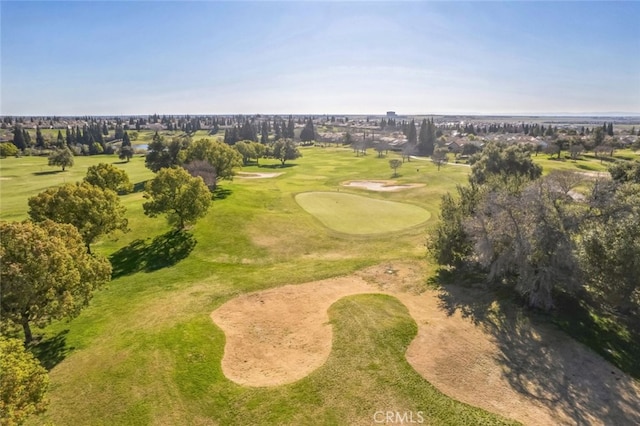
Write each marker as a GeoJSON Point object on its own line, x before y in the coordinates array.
{"type": "Point", "coordinates": [358, 215]}
{"type": "Point", "coordinates": [304, 319]}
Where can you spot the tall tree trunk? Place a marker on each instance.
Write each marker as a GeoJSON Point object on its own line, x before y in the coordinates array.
{"type": "Point", "coordinates": [28, 337]}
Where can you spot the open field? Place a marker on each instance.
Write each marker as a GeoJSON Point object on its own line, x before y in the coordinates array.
{"type": "Point", "coordinates": [147, 352]}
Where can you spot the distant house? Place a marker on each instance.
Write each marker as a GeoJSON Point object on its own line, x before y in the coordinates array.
{"type": "Point", "coordinates": [391, 114]}
{"type": "Point", "coordinates": [454, 147]}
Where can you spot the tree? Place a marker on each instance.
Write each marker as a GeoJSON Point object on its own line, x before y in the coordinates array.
{"type": "Point", "coordinates": [204, 170]}
{"type": "Point", "coordinates": [60, 140]}
{"type": "Point", "coordinates": [163, 154]}
{"type": "Point", "coordinates": [62, 158]}
{"type": "Point", "coordinates": [609, 245]}
{"type": "Point", "coordinates": [598, 137]}
{"type": "Point", "coordinates": [427, 138]}
{"type": "Point", "coordinates": [395, 164]}
{"type": "Point", "coordinates": [126, 140]}
{"type": "Point", "coordinates": [107, 176]}
{"type": "Point", "coordinates": [308, 133]}
{"type": "Point", "coordinates": [7, 149]}
{"type": "Point", "coordinates": [18, 138]}
{"type": "Point", "coordinates": [449, 242]}
{"type": "Point", "coordinates": [496, 160]}
{"type": "Point", "coordinates": [221, 156]}
{"type": "Point", "coordinates": [23, 383]}
{"type": "Point", "coordinates": [264, 134]}
{"type": "Point", "coordinates": [412, 136]}
{"type": "Point", "coordinates": [173, 191]}
{"type": "Point", "coordinates": [381, 147]}
{"type": "Point", "coordinates": [46, 273]}
{"type": "Point", "coordinates": [625, 171]}
{"type": "Point", "coordinates": [575, 151]}
{"type": "Point", "coordinates": [92, 210]}
{"type": "Point", "coordinates": [39, 138]}
{"type": "Point", "coordinates": [126, 153]}
{"type": "Point", "coordinates": [439, 157]}
{"type": "Point", "coordinates": [285, 150]}
{"type": "Point", "coordinates": [526, 240]}
{"type": "Point", "coordinates": [407, 151]}
{"type": "Point", "coordinates": [259, 150]}
{"type": "Point", "coordinates": [27, 137]}
{"type": "Point", "coordinates": [245, 149]}
{"type": "Point", "coordinates": [290, 129]}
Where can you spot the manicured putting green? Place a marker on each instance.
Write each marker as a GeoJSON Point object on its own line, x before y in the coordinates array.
{"type": "Point", "coordinates": [358, 215]}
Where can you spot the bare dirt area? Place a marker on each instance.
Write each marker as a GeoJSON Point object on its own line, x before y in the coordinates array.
{"type": "Point", "coordinates": [381, 185]}
{"type": "Point", "coordinates": [248, 175]}
{"type": "Point", "coordinates": [529, 372]}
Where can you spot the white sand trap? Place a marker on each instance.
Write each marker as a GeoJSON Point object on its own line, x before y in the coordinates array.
{"type": "Point", "coordinates": [381, 185]}
{"type": "Point", "coordinates": [281, 335]}
{"type": "Point", "coordinates": [247, 175]}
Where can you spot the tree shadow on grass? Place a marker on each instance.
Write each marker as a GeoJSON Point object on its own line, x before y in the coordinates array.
{"type": "Point", "coordinates": [139, 186]}
{"type": "Point", "coordinates": [541, 362]}
{"type": "Point", "coordinates": [220, 193]}
{"type": "Point", "coordinates": [53, 350]}
{"type": "Point", "coordinates": [277, 166]}
{"type": "Point", "coordinates": [165, 250]}
{"type": "Point", "coordinates": [48, 172]}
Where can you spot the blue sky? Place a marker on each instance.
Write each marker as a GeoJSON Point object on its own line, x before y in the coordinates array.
{"type": "Point", "coordinates": [69, 58]}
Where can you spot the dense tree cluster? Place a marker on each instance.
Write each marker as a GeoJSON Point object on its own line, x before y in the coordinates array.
{"type": "Point", "coordinates": [538, 236]}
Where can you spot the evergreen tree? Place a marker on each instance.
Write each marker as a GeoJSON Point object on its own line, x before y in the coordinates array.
{"type": "Point", "coordinates": [412, 136]}
{"type": "Point", "coordinates": [610, 129]}
{"type": "Point", "coordinates": [248, 132]}
{"type": "Point", "coordinates": [126, 141]}
{"type": "Point", "coordinates": [68, 137]}
{"type": "Point", "coordinates": [60, 141]}
{"type": "Point", "coordinates": [39, 138]}
{"type": "Point", "coordinates": [105, 129]}
{"type": "Point", "coordinates": [277, 130]}
{"type": "Point", "coordinates": [308, 132]}
{"type": "Point", "coordinates": [290, 134]}
{"type": "Point", "coordinates": [264, 136]}
{"type": "Point", "coordinates": [18, 138]}
{"type": "Point", "coordinates": [119, 134]}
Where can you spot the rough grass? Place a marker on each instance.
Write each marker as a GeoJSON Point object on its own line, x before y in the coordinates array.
{"type": "Point", "coordinates": [359, 215]}
{"type": "Point", "coordinates": [585, 163]}
{"type": "Point", "coordinates": [146, 352]}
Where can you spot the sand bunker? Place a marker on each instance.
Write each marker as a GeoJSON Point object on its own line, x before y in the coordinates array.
{"type": "Point", "coordinates": [247, 175]}
{"type": "Point", "coordinates": [381, 185]}
{"type": "Point", "coordinates": [535, 374]}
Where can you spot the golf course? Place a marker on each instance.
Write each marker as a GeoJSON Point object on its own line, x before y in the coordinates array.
{"type": "Point", "coordinates": [303, 299]}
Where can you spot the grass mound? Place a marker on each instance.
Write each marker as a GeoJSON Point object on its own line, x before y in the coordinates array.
{"type": "Point", "coordinates": [358, 215]}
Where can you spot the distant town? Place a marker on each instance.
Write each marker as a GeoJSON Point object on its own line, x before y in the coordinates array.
{"type": "Point", "coordinates": [460, 134]}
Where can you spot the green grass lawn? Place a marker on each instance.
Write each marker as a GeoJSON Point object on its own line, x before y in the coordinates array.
{"type": "Point", "coordinates": [360, 215]}
{"type": "Point", "coordinates": [146, 352]}
{"type": "Point", "coordinates": [585, 163]}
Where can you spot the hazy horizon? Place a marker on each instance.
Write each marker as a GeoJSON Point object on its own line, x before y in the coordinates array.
{"type": "Point", "coordinates": [335, 58]}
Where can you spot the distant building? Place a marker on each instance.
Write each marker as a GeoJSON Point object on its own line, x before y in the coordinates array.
{"type": "Point", "coordinates": [391, 114]}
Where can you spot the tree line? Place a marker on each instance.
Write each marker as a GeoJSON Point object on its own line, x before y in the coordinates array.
{"type": "Point", "coordinates": [543, 236]}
